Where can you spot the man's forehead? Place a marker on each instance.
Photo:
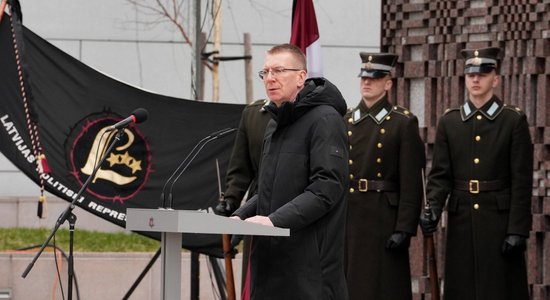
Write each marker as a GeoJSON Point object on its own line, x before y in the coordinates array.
{"type": "Point", "coordinates": [279, 58]}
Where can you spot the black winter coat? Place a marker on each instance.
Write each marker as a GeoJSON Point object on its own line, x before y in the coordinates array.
{"type": "Point", "coordinates": [302, 185]}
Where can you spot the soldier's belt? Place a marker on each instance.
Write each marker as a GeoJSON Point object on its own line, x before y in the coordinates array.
{"type": "Point", "coordinates": [476, 186]}
{"type": "Point", "coordinates": [364, 185]}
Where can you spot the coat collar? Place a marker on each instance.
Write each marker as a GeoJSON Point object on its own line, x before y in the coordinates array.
{"type": "Point", "coordinates": [377, 112]}
{"type": "Point", "coordinates": [490, 110]}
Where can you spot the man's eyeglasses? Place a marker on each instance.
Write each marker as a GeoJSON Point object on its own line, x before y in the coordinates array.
{"type": "Point", "coordinates": [274, 72]}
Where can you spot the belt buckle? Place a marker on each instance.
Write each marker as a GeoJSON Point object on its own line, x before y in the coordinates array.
{"type": "Point", "coordinates": [363, 185]}
{"type": "Point", "coordinates": [473, 186]}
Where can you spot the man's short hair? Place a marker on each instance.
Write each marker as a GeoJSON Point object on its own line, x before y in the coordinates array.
{"type": "Point", "coordinates": [295, 51]}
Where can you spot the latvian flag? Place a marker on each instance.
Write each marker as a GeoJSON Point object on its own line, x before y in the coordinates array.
{"type": "Point", "coordinates": [305, 35]}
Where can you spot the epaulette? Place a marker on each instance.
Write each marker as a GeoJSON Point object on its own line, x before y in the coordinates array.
{"type": "Point", "coordinates": [258, 102]}
{"type": "Point", "coordinates": [448, 110]}
{"type": "Point", "coordinates": [402, 111]}
{"type": "Point", "coordinates": [518, 110]}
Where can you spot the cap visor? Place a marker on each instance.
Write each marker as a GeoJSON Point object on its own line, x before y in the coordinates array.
{"type": "Point", "coordinates": [478, 69]}
{"type": "Point", "coordinates": [372, 73]}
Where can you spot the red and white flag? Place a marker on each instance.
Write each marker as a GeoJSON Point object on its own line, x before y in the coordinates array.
{"type": "Point", "coordinates": [305, 35]}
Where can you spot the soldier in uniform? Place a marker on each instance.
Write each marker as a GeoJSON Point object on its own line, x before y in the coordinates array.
{"type": "Point", "coordinates": [242, 172]}
{"type": "Point", "coordinates": [385, 194]}
{"type": "Point", "coordinates": [483, 165]}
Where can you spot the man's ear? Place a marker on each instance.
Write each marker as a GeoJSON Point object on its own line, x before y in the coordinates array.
{"type": "Point", "coordinates": [388, 85]}
{"type": "Point", "coordinates": [302, 78]}
{"type": "Point", "coordinates": [496, 81]}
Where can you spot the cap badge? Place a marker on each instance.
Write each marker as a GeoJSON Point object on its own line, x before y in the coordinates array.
{"type": "Point", "coordinates": [368, 65]}
{"type": "Point", "coordinates": [476, 60]}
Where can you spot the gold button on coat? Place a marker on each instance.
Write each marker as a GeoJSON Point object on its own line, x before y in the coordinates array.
{"type": "Point", "coordinates": [476, 206]}
{"type": "Point", "coordinates": [351, 176]}
{"type": "Point", "coordinates": [350, 120]}
{"type": "Point", "coordinates": [479, 117]}
{"type": "Point", "coordinates": [382, 130]}
{"type": "Point", "coordinates": [350, 133]}
{"type": "Point", "coordinates": [350, 162]}
{"type": "Point", "coordinates": [379, 145]}
{"type": "Point", "coordinates": [478, 138]}
{"type": "Point", "coordinates": [351, 190]}
{"type": "Point", "coordinates": [476, 161]}
{"type": "Point", "coordinates": [379, 175]}
{"type": "Point", "coordinates": [379, 160]}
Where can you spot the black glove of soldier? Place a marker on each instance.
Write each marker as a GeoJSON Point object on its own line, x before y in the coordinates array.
{"type": "Point", "coordinates": [225, 208]}
{"type": "Point", "coordinates": [429, 220]}
{"type": "Point", "coordinates": [398, 241]}
{"type": "Point", "coordinates": [513, 244]}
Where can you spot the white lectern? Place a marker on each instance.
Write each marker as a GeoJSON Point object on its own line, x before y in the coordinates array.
{"type": "Point", "coordinates": [172, 223]}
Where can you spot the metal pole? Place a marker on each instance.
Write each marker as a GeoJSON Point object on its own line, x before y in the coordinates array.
{"type": "Point", "coordinates": [217, 49]}
{"type": "Point", "coordinates": [198, 70]}
{"type": "Point", "coordinates": [198, 49]}
{"type": "Point", "coordinates": [248, 68]}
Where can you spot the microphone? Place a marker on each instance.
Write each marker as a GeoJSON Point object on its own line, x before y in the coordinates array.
{"type": "Point", "coordinates": [187, 161]}
{"type": "Point", "coordinates": [139, 115]}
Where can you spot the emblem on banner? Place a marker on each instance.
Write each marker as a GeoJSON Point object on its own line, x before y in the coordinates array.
{"type": "Point", "coordinates": [126, 168]}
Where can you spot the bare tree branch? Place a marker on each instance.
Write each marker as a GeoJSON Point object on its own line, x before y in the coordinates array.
{"type": "Point", "coordinates": [162, 11]}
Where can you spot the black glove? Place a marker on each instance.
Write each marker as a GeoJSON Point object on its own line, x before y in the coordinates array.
{"type": "Point", "coordinates": [225, 208]}
{"type": "Point", "coordinates": [429, 220]}
{"type": "Point", "coordinates": [399, 241]}
{"type": "Point", "coordinates": [513, 244]}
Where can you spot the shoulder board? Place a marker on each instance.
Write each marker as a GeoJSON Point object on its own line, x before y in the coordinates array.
{"type": "Point", "coordinates": [448, 110]}
{"type": "Point", "coordinates": [258, 102]}
{"type": "Point", "coordinates": [402, 111]}
{"type": "Point", "coordinates": [516, 109]}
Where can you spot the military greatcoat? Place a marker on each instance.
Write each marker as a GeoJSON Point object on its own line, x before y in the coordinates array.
{"type": "Point", "coordinates": [483, 164]}
{"type": "Point", "coordinates": [385, 195]}
{"type": "Point", "coordinates": [242, 172]}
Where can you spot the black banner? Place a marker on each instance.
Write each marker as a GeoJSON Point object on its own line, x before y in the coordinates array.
{"type": "Point", "coordinates": [52, 104]}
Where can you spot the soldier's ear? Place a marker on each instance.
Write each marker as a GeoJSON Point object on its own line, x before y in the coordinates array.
{"type": "Point", "coordinates": [389, 84]}
{"type": "Point", "coordinates": [496, 81]}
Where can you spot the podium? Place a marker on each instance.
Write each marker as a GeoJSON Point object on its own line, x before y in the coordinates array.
{"type": "Point", "coordinates": [172, 223]}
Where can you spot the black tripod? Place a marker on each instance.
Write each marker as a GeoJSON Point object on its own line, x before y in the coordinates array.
{"type": "Point", "coordinates": [67, 215]}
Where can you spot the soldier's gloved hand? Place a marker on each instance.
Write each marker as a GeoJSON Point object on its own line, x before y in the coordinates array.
{"type": "Point", "coordinates": [398, 241]}
{"type": "Point", "coordinates": [429, 220]}
{"type": "Point", "coordinates": [225, 208]}
{"type": "Point", "coordinates": [513, 244]}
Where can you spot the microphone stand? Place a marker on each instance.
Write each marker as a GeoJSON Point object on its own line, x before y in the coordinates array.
{"type": "Point", "coordinates": [194, 151]}
{"type": "Point", "coordinates": [67, 215]}
{"type": "Point", "coordinates": [202, 144]}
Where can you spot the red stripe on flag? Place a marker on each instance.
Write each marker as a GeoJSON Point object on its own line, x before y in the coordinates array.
{"type": "Point", "coordinates": [304, 24]}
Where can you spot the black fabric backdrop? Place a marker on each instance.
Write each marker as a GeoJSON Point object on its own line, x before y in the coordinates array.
{"type": "Point", "coordinates": [71, 103]}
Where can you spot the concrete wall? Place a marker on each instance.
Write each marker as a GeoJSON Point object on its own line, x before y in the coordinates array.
{"type": "Point", "coordinates": [99, 275]}
{"type": "Point", "coordinates": [21, 212]}
{"type": "Point", "coordinates": [118, 39]}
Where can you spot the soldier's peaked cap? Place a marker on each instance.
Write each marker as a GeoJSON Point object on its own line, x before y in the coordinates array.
{"type": "Point", "coordinates": [376, 65]}
{"type": "Point", "coordinates": [483, 60]}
